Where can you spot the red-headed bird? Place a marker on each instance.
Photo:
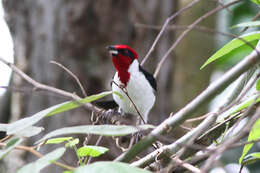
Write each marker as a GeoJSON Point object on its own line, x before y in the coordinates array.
{"type": "Point", "coordinates": [139, 84]}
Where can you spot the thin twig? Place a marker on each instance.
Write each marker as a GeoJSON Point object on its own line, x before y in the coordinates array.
{"type": "Point", "coordinates": [31, 91]}
{"type": "Point", "coordinates": [60, 92]}
{"type": "Point", "coordinates": [227, 144]}
{"type": "Point", "coordinates": [203, 29]}
{"type": "Point", "coordinates": [184, 165]}
{"type": "Point", "coordinates": [254, 19]}
{"type": "Point", "coordinates": [213, 89]}
{"type": "Point", "coordinates": [197, 118]}
{"type": "Point", "coordinates": [126, 93]}
{"type": "Point", "coordinates": [73, 75]}
{"type": "Point", "coordinates": [96, 144]}
{"type": "Point", "coordinates": [41, 86]}
{"type": "Point", "coordinates": [164, 27]}
{"type": "Point", "coordinates": [36, 153]}
{"type": "Point", "coordinates": [201, 157]}
{"type": "Point", "coordinates": [5, 138]}
{"type": "Point", "coordinates": [221, 4]}
{"type": "Point", "coordinates": [191, 26]}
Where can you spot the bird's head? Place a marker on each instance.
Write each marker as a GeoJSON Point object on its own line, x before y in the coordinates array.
{"type": "Point", "coordinates": [122, 57]}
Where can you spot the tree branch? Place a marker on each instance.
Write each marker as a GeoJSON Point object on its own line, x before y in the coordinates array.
{"type": "Point", "coordinates": [36, 153]}
{"type": "Point", "coordinates": [165, 26]}
{"type": "Point", "coordinates": [190, 27]}
{"type": "Point", "coordinates": [41, 86]}
{"type": "Point", "coordinates": [179, 117]}
{"type": "Point", "coordinates": [73, 75]}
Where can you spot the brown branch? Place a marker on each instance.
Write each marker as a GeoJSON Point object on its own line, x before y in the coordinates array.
{"type": "Point", "coordinates": [164, 27]}
{"type": "Point", "coordinates": [184, 27]}
{"type": "Point", "coordinates": [99, 111]}
{"type": "Point", "coordinates": [184, 165]}
{"type": "Point", "coordinates": [73, 75]}
{"type": "Point", "coordinates": [221, 4]}
{"type": "Point", "coordinates": [166, 55]}
{"type": "Point", "coordinates": [36, 153]}
{"type": "Point", "coordinates": [41, 86]}
{"type": "Point", "coordinates": [5, 138]}
{"type": "Point", "coordinates": [197, 118]}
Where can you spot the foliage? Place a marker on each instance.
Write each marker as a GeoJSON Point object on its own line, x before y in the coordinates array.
{"type": "Point", "coordinates": [39, 164]}
{"type": "Point", "coordinates": [256, 1]}
{"type": "Point", "coordinates": [92, 151]}
{"type": "Point", "coordinates": [253, 136]}
{"type": "Point", "coordinates": [104, 130]}
{"type": "Point", "coordinates": [11, 144]}
{"type": "Point", "coordinates": [24, 128]}
{"type": "Point", "coordinates": [109, 167]}
{"type": "Point", "coordinates": [239, 44]}
{"type": "Point", "coordinates": [247, 24]}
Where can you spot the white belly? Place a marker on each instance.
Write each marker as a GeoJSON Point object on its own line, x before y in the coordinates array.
{"type": "Point", "coordinates": [139, 90]}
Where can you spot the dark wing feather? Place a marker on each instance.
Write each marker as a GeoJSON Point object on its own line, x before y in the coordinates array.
{"type": "Point", "coordinates": [149, 77]}
{"type": "Point", "coordinates": [108, 104]}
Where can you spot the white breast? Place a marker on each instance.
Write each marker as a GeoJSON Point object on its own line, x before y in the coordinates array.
{"type": "Point", "coordinates": [139, 90]}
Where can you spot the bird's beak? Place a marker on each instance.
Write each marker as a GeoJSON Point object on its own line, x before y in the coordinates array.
{"type": "Point", "coordinates": [112, 50]}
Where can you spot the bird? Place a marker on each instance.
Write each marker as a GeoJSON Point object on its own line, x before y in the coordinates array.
{"type": "Point", "coordinates": [136, 86]}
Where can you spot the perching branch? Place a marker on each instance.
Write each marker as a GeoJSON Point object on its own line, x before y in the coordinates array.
{"type": "Point", "coordinates": [213, 89]}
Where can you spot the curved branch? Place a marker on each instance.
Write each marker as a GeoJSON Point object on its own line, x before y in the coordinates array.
{"type": "Point", "coordinates": [185, 113]}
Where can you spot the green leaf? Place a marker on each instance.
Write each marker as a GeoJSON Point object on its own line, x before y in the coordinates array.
{"type": "Point", "coordinates": [258, 85]}
{"type": "Point", "coordinates": [253, 135]}
{"type": "Point", "coordinates": [72, 143]}
{"type": "Point", "coordinates": [105, 130]}
{"type": "Point", "coordinates": [236, 55]}
{"type": "Point", "coordinates": [24, 123]}
{"type": "Point", "coordinates": [109, 167]}
{"type": "Point", "coordinates": [27, 132]}
{"type": "Point", "coordinates": [93, 151]}
{"type": "Point", "coordinates": [75, 104]}
{"type": "Point", "coordinates": [246, 104]}
{"type": "Point", "coordinates": [118, 94]}
{"type": "Point", "coordinates": [251, 158]}
{"type": "Point", "coordinates": [231, 46]}
{"type": "Point", "coordinates": [256, 1]}
{"type": "Point", "coordinates": [67, 171]}
{"type": "Point", "coordinates": [247, 24]}
{"type": "Point", "coordinates": [38, 165]}
{"type": "Point", "coordinates": [58, 140]}
{"type": "Point", "coordinates": [12, 143]}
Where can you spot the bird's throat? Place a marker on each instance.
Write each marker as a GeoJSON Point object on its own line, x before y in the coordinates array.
{"type": "Point", "coordinates": [122, 65]}
{"type": "Point", "coordinates": [124, 76]}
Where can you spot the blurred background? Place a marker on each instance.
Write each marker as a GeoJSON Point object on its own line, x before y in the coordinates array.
{"type": "Point", "coordinates": [76, 33]}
